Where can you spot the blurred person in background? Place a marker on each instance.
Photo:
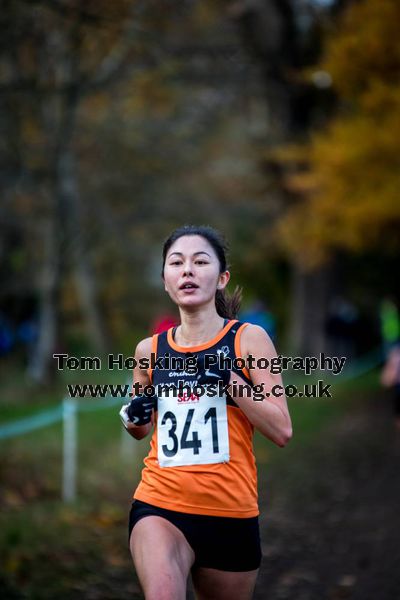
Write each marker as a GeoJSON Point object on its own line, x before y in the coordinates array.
{"type": "Point", "coordinates": [341, 327]}
{"type": "Point", "coordinates": [390, 378]}
{"type": "Point", "coordinates": [163, 323]}
{"type": "Point", "coordinates": [258, 314]}
{"type": "Point", "coordinates": [7, 337]}
{"type": "Point", "coordinates": [390, 324]}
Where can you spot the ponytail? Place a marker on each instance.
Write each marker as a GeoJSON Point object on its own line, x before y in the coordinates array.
{"type": "Point", "coordinates": [228, 305]}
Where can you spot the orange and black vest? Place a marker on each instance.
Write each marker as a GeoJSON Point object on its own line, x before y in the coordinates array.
{"type": "Point", "coordinates": [224, 488]}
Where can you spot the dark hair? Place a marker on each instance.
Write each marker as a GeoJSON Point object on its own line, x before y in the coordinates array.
{"type": "Point", "coordinates": [227, 305]}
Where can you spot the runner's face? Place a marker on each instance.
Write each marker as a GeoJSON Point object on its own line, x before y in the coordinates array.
{"type": "Point", "coordinates": [191, 259]}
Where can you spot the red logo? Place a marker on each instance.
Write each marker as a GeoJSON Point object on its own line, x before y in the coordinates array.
{"type": "Point", "coordinates": [185, 397]}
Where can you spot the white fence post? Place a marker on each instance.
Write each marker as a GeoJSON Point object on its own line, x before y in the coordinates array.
{"type": "Point", "coordinates": [127, 446]}
{"type": "Point", "coordinates": [69, 449]}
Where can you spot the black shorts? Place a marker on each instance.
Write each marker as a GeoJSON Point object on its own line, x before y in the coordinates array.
{"type": "Point", "coordinates": [224, 543]}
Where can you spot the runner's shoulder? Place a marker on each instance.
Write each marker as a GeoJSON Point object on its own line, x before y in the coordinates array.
{"type": "Point", "coordinates": [143, 351]}
{"type": "Point", "coordinates": [253, 338]}
{"type": "Point", "coordinates": [143, 348]}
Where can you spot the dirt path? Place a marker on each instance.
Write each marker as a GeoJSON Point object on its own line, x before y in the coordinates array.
{"type": "Point", "coordinates": [331, 526]}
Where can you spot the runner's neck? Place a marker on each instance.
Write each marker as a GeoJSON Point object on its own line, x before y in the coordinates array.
{"type": "Point", "coordinates": [200, 342]}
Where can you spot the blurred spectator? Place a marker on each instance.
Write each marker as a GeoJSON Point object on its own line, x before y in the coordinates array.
{"type": "Point", "coordinates": [390, 378]}
{"type": "Point", "coordinates": [341, 327]}
{"type": "Point", "coordinates": [258, 314]}
{"type": "Point", "coordinates": [27, 334]}
{"type": "Point", "coordinates": [7, 338]}
{"type": "Point", "coordinates": [390, 324]}
{"type": "Point", "coordinates": [18, 325]}
{"type": "Point", "coordinates": [163, 323]}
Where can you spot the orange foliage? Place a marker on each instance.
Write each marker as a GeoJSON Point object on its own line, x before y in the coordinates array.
{"type": "Point", "coordinates": [350, 190]}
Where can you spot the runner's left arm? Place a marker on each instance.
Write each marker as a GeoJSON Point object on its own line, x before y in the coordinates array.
{"type": "Point", "coordinates": [270, 415]}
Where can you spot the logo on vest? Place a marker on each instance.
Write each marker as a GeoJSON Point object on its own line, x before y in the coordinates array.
{"type": "Point", "coordinates": [224, 350]}
{"type": "Point", "coordinates": [188, 398]}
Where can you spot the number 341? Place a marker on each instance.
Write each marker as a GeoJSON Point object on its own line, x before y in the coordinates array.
{"type": "Point", "coordinates": [195, 442]}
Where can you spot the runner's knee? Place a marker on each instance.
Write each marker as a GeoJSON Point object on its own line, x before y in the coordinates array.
{"type": "Point", "coordinates": [162, 558]}
{"type": "Point", "coordinates": [170, 585]}
{"type": "Point", "coordinates": [168, 581]}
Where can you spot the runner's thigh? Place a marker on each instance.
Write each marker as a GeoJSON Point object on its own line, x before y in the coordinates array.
{"type": "Point", "coordinates": [162, 558]}
{"type": "Point", "coordinates": [213, 584]}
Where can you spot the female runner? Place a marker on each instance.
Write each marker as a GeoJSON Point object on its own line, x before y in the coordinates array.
{"type": "Point", "coordinates": [195, 509]}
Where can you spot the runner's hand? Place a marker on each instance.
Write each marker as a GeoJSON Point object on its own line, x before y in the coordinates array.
{"type": "Point", "coordinates": [138, 411]}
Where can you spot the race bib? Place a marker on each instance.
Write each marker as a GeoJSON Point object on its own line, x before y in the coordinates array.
{"type": "Point", "coordinates": [192, 430]}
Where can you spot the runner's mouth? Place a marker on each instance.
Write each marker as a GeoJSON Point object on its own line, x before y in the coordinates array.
{"type": "Point", "coordinates": [188, 286]}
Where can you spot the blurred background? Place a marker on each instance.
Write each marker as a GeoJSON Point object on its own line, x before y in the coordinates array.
{"type": "Point", "coordinates": [276, 122]}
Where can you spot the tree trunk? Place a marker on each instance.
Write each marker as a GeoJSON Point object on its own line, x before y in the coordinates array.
{"type": "Point", "coordinates": [41, 361]}
{"type": "Point", "coordinates": [81, 263]}
{"type": "Point", "coordinates": [310, 297]}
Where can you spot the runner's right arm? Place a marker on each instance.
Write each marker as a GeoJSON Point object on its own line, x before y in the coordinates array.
{"type": "Point", "coordinates": [143, 350]}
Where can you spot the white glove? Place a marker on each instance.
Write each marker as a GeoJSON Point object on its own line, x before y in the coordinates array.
{"type": "Point", "coordinates": [123, 413]}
